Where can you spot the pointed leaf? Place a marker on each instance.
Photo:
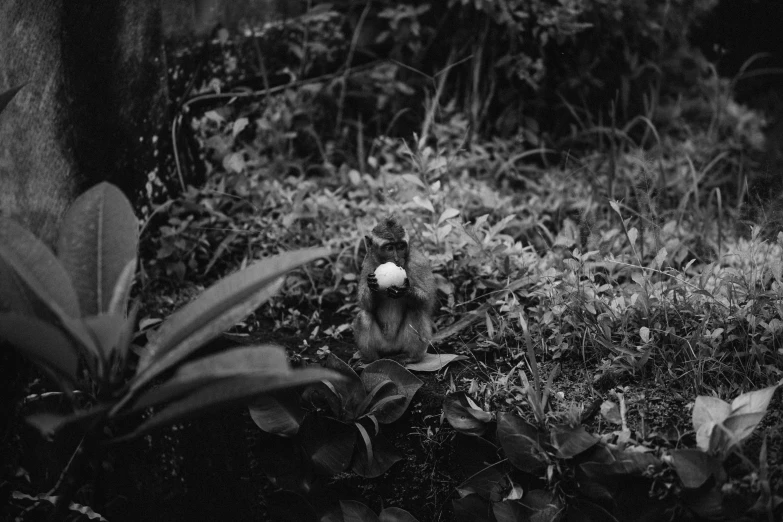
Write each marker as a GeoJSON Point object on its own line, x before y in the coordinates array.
{"type": "Point", "coordinates": [693, 466]}
{"type": "Point", "coordinates": [405, 382]}
{"type": "Point", "coordinates": [15, 296]}
{"type": "Point", "coordinates": [278, 413]}
{"type": "Point", "coordinates": [753, 402]}
{"type": "Point", "coordinates": [106, 331]}
{"type": "Point", "coordinates": [434, 362]}
{"type": "Point", "coordinates": [328, 442]}
{"type": "Point", "coordinates": [357, 512]}
{"type": "Point", "coordinates": [121, 293]}
{"type": "Point", "coordinates": [522, 443]}
{"type": "Point", "coordinates": [225, 392]}
{"type": "Point", "coordinates": [571, 441]}
{"type": "Point", "coordinates": [742, 426]}
{"type": "Point", "coordinates": [41, 342]}
{"type": "Point", "coordinates": [383, 457]}
{"type": "Point", "coordinates": [221, 306]}
{"type": "Point", "coordinates": [487, 483]}
{"type": "Point", "coordinates": [464, 418]}
{"type": "Point", "coordinates": [38, 268]}
{"type": "Point", "coordinates": [509, 511]}
{"type": "Point", "coordinates": [472, 509]}
{"type": "Point", "coordinates": [351, 390]}
{"type": "Point", "coordinates": [709, 409]}
{"type": "Point", "coordinates": [98, 238]}
{"type": "Point", "coordinates": [261, 360]}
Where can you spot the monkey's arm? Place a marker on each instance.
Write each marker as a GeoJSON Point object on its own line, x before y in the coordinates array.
{"type": "Point", "coordinates": [422, 282]}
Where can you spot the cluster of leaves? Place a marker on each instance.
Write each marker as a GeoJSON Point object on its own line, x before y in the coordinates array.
{"type": "Point", "coordinates": [68, 313]}
{"type": "Point", "coordinates": [559, 471]}
{"type": "Point", "coordinates": [336, 426]}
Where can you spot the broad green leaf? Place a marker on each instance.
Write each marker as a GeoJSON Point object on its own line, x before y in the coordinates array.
{"type": "Point", "coordinates": [350, 390]}
{"type": "Point", "coordinates": [106, 330]}
{"type": "Point", "coordinates": [394, 514]}
{"type": "Point", "coordinates": [98, 238]}
{"type": "Point", "coordinates": [384, 456]}
{"type": "Point", "coordinates": [704, 435]}
{"type": "Point", "coordinates": [742, 426]}
{"type": "Point", "coordinates": [121, 293]}
{"type": "Point", "coordinates": [221, 306]}
{"type": "Point", "coordinates": [226, 392]}
{"type": "Point", "coordinates": [15, 296]}
{"type": "Point", "coordinates": [261, 360]}
{"type": "Point", "coordinates": [405, 382]}
{"type": "Point", "coordinates": [328, 442]}
{"type": "Point", "coordinates": [709, 409]}
{"type": "Point", "coordinates": [357, 512]}
{"type": "Point", "coordinates": [571, 441]}
{"type": "Point", "coordinates": [448, 214]}
{"type": "Point", "coordinates": [753, 402]}
{"type": "Point", "coordinates": [522, 443]}
{"type": "Point", "coordinates": [277, 413]}
{"type": "Point", "coordinates": [464, 418]}
{"type": "Point", "coordinates": [693, 466]}
{"type": "Point", "coordinates": [41, 342]}
{"type": "Point", "coordinates": [38, 268]}
{"type": "Point", "coordinates": [509, 511]}
{"type": "Point", "coordinates": [472, 508]}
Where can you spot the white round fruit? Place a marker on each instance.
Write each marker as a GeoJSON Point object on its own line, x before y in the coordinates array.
{"type": "Point", "coordinates": [389, 274]}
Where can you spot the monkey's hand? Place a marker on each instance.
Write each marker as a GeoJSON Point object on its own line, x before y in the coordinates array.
{"type": "Point", "coordinates": [372, 282]}
{"type": "Point", "coordinates": [395, 292]}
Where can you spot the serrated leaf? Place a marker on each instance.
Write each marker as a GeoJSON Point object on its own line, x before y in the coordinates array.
{"type": "Point", "coordinates": [41, 342]}
{"type": "Point", "coordinates": [98, 238]}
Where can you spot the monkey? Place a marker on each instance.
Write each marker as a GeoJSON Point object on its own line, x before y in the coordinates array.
{"type": "Point", "coordinates": [397, 322]}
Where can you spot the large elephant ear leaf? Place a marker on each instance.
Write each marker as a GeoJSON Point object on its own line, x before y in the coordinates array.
{"type": "Point", "coordinates": [38, 269]}
{"type": "Point", "coordinates": [98, 240]}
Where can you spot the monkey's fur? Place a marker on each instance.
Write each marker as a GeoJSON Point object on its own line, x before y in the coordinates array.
{"type": "Point", "coordinates": [395, 323]}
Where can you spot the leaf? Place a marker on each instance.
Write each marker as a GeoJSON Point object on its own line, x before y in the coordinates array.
{"type": "Point", "coordinates": [448, 214]}
{"type": "Point", "coordinates": [464, 418]}
{"type": "Point", "coordinates": [487, 483]}
{"type": "Point", "coordinates": [509, 511]}
{"type": "Point", "coordinates": [394, 514]}
{"type": "Point", "coordinates": [405, 382]}
{"type": "Point", "coordinates": [38, 268]}
{"type": "Point", "coordinates": [742, 426]}
{"type": "Point", "coordinates": [225, 392]}
{"type": "Point", "coordinates": [753, 402]}
{"type": "Point", "coordinates": [424, 203]}
{"type": "Point", "coordinates": [350, 390]}
{"type": "Point", "coordinates": [357, 512]}
{"type": "Point", "coordinates": [41, 342]}
{"type": "Point", "coordinates": [693, 466]}
{"type": "Point", "coordinates": [633, 234]}
{"type": "Point", "coordinates": [571, 441]}
{"type": "Point", "coordinates": [106, 330]}
{"type": "Point", "coordinates": [709, 409]}
{"type": "Point", "coordinates": [522, 443]}
{"type": "Point", "coordinates": [259, 360]}
{"type": "Point", "coordinates": [384, 456]}
{"type": "Point", "coordinates": [277, 413]}
{"type": "Point", "coordinates": [7, 96]}
{"type": "Point", "coordinates": [611, 412]}
{"type": "Point", "coordinates": [328, 442]}
{"type": "Point", "coordinates": [472, 508]}
{"type": "Point", "coordinates": [219, 307]}
{"type": "Point", "coordinates": [84, 510]}
{"type": "Point", "coordinates": [434, 362]}
{"type": "Point", "coordinates": [412, 178]}
{"type": "Point", "coordinates": [121, 293]}
{"type": "Point", "coordinates": [98, 238]}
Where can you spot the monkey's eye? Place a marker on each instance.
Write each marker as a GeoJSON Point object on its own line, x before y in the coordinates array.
{"type": "Point", "coordinates": [388, 247]}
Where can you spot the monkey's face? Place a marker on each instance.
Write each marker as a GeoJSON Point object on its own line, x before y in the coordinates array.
{"type": "Point", "coordinates": [394, 251]}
